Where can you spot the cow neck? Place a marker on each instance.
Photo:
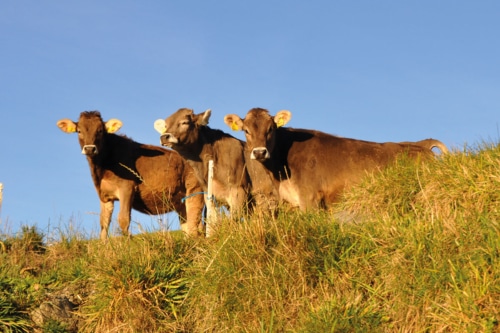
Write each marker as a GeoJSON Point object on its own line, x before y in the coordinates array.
{"type": "Point", "coordinates": [191, 152]}
{"type": "Point", "coordinates": [207, 138]}
{"type": "Point", "coordinates": [201, 147]}
{"type": "Point", "coordinates": [101, 162]}
{"type": "Point", "coordinates": [96, 169]}
{"type": "Point", "coordinates": [276, 168]}
{"type": "Point", "coordinates": [278, 165]}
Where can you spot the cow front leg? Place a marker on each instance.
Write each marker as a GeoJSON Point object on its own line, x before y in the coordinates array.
{"type": "Point", "coordinates": [193, 224]}
{"type": "Point", "coordinates": [190, 213]}
{"type": "Point", "coordinates": [105, 218]}
{"type": "Point", "coordinates": [237, 201]}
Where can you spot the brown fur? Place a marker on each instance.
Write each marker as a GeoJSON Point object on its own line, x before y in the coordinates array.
{"type": "Point", "coordinates": [310, 168]}
{"type": "Point", "coordinates": [147, 178]}
{"type": "Point", "coordinates": [429, 144]}
{"type": "Point", "coordinates": [188, 134]}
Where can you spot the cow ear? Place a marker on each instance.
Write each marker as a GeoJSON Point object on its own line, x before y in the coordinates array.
{"type": "Point", "coordinates": [113, 125]}
{"type": "Point", "coordinates": [160, 126]}
{"type": "Point", "coordinates": [66, 125]}
{"type": "Point", "coordinates": [204, 117]}
{"type": "Point", "coordinates": [234, 122]}
{"type": "Point", "coordinates": [282, 118]}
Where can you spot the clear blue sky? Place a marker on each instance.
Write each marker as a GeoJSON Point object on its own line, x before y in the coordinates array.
{"type": "Point", "coordinates": [372, 70]}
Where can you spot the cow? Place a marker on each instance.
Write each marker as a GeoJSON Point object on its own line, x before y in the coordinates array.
{"type": "Point", "coordinates": [428, 144]}
{"type": "Point", "coordinates": [147, 178]}
{"type": "Point", "coordinates": [189, 134]}
{"type": "Point", "coordinates": [310, 169]}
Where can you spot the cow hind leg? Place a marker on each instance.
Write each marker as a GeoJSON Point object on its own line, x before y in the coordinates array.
{"type": "Point", "coordinates": [124, 215]}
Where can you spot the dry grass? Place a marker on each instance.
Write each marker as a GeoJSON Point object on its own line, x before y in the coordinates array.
{"type": "Point", "coordinates": [412, 249]}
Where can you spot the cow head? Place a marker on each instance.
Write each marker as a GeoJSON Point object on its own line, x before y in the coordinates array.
{"type": "Point", "coordinates": [181, 128]}
{"type": "Point", "coordinates": [260, 130]}
{"type": "Point", "coordinates": [91, 130]}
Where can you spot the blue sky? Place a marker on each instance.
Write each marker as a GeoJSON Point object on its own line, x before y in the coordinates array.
{"type": "Point", "coordinates": [372, 70]}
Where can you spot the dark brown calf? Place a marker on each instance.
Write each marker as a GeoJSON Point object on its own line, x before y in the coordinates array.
{"type": "Point", "coordinates": [147, 178]}
{"type": "Point", "coordinates": [189, 135]}
{"type": "Point", "coordinates": [309, 168]}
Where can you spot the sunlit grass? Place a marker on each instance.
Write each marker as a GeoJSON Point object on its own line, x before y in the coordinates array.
{"type": "Point", "coordinates": [412, 249]}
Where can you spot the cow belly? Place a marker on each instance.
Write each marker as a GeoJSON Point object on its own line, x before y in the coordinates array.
{"type": "Point", "coordinates": [289, 193]}
{"type": "Point", "coordinates": [156, 202]}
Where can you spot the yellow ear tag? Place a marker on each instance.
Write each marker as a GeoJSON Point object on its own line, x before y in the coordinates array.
{"type": "Point", "coordinates": [280, 122]}
{"type": "Point", "coordinates": [112, 129]}
{"type": "Point", "coordinates": [234, 127]}
{"type": "Point", "coordinates": [71, 129]}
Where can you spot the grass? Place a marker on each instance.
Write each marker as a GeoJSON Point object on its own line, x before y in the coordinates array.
{"type": "Point", "coordinates": [414, 248]}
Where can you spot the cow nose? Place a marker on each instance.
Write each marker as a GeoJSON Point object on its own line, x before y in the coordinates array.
{"type": "Point", "coordinates": [168, 139]}
{"type": "Point", "coordinates": [89, 150]}
{"type": "Point", "coordinates": [165, 139]}
{"type": "Point", "coordinates": [260, 154]}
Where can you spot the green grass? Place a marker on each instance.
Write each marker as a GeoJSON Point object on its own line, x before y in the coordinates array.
{"type": "Point", "coordinates": [414, 248]}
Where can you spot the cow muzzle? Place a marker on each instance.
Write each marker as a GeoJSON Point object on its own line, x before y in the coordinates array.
{"type": "Point", "coordinates": [168, 139]}
{"type": "Point", "coordinates": [90, 150]}
{"type": "Point", "coordinates": [260, 154]}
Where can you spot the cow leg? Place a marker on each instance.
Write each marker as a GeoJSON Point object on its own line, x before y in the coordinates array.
{"type": "Point", "coordinates": [125, 213]}
{"type": "Point", "coordinates": [105, 218]}
{"type": "Point", "coordinates": [191, 223]}
{"type": "Point", "coordinates": [193, 210]}
{"type": "Point", "coordinates": [237, 201]}
{"type": "Point", "coordinates": [305, 203]}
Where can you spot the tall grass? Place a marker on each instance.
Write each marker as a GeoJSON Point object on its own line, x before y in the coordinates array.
{"type": "Point", "coordinates": [421, 254]}
{"type": "Point", "coordinates": [137, 284]}
{"type": "Point", "coordinates": [414, 248]}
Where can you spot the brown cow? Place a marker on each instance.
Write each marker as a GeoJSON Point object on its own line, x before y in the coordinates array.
{"type": "Point", "coordinates": [310, 168]}
{"type": "Point", "coordinates": [428, 144]}
{"type": "Point", "coordinates": [189, 135]}
{"type": "Point", "coordinates": [147, 178]}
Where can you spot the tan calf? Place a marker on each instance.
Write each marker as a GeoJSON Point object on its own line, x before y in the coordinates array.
{"type": "Point", "coordinates": [189, 134]}
{"type": "Point", "coordinates": [147, 178]}
{"type": "Point", "coordinates": [310, 168]}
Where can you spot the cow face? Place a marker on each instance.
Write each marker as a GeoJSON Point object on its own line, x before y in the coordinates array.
{"type": "Point", "coordinates": [91, 130]}
{"type": "Point", "coordinates": [181, 128]}
{"type": "Point", "coordinates": [260, 130]}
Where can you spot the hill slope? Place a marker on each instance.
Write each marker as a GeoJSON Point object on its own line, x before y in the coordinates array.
{"type": "Point", "coordinates": [414, 248]}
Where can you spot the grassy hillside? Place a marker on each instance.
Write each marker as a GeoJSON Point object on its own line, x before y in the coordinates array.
{"type": "Point", "coordinates": [412, 249]}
